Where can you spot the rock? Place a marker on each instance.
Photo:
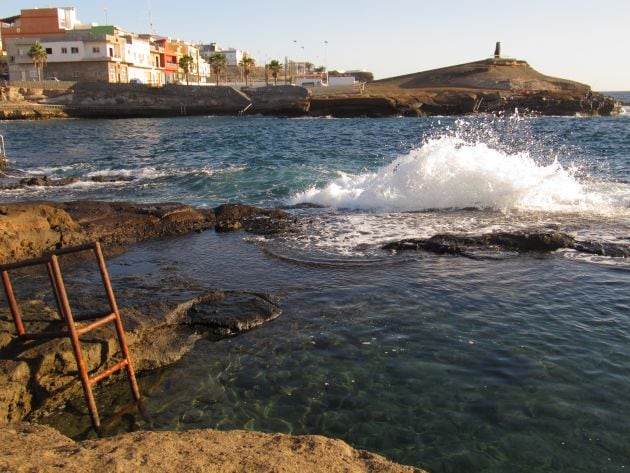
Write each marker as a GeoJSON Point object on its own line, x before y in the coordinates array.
{"type": "Point", "coordinates": [36, 379]}
{"type": "Point", "coordinates": [29, 447]}
{"type": "Point", "coordinates": [15, 397]}
{"type": "Point", "coordinates": [521, 242]}
{"type": "Point", "coordinates": [285, 100]}
{"type": "Point", "coordinates": [359, 106]}
{"type": "Point", "coordinates": [28, 230]}
{"type": "Point", "coordinates": [232, 312]}
{"type": "Point", "coordinates": [232, 217]}
{"type": "Point", "coordinates": [614, 250]}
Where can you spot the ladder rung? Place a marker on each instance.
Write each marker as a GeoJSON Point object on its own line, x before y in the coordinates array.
{"type": "Point", "coordinates": [96, 324]}
{"type": "Point", "coordinates": [83, 318]}
{"type": "Point", "coordinates": [44, 335]}
{"type": "Point", "coordinates": [109, 372]}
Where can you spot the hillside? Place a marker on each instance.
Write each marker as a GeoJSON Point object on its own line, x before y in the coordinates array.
{"type": "Point", "coordinates": [488, 74]}
{"type": "Point", "coordinates": [494, 85]}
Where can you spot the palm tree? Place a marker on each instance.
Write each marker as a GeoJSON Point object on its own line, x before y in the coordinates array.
{"type": "Point", "coordinates": [275, 67]}
{"type": "Point", "coordinates": [247, 63]}
{"type": "Point", "coordinates": [185, 63]}
{"type": "Point", "coordinates": [39, 57]}
{"type": "Point", "coordinates": [218, 62]}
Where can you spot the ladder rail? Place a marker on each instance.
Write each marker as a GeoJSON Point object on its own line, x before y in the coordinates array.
{"type": "Point", "coordinates": [73, 331]}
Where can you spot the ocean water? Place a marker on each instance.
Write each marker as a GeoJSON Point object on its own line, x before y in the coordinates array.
{"type": "Point", "coordinates": [500, 363]}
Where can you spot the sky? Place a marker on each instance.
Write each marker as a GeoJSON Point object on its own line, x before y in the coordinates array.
{"type": "Point", "coordinates": [583, 40]}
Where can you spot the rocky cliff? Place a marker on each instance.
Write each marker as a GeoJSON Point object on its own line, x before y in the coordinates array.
{"type": "Point", "coordinates": [487, 86]}
{"type": "Point", "coordinates": [490, 85]}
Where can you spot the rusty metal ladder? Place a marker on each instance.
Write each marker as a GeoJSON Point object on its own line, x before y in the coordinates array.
{"type": "Point", "coordinates": [73, 330]}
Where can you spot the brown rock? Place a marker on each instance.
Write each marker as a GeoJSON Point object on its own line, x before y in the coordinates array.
{"type": "Point", "coordinates": [28, 447]}
{"type": "Point", "coordinates": [232, 217]}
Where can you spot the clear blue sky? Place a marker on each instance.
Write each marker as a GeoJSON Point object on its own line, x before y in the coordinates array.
{"type": "Point", "coordinates": [587, 41]}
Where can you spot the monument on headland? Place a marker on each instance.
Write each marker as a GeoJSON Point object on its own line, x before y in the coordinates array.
{"type": "Point", "coordinates": [497, 50]}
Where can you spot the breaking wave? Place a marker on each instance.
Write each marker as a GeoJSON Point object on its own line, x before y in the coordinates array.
{"type": "Point", "coordinates": [449, 172]}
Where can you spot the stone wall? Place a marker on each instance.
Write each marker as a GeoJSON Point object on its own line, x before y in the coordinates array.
{"type": "Point", "coordinates": [94, 99]}
{"type": "Point", "coordinates": [279, 100]}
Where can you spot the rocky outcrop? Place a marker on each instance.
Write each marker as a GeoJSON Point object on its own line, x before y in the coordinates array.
{"type": "Point", "coordinates": [360, 106]}
{"type": "Point", "coordinates": [35, 378]}
{"type": "Point", "coordinates": [495, 244]}
{"type": "Point", "coordinates": [229, 313]}
{"type": "Point", "coordinates": [27, 447]}
{"type": "Point", "coordinates": [28, 230]}
{"type": "Point", "coordinates": [103, 100]}
{"type": "Point", "coordinates": [231, 217]}
{"type": "Point", "coordinates": [283, 100]}
{"type": "Point", "coordinates": [489, 86]}
{"type": "Point", "coordinates": [521, 242]}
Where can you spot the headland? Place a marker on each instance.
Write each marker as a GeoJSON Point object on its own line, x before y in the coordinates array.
{"type": "Point", "coordinates": [493, 85]}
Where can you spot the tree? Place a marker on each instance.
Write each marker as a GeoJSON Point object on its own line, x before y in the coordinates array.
{"type": "Point", "coordinates": [185, 63]}
{"type": "Point", "coordinates": [39, 57]}
{"type": "Point", "coordinates": [218, 62]}
{"type": "Point", "coordinates": [320, 69]}
{"type": "Point", "coordinates": [247, 63]}
{"type": "Point", "coordinates": [275, 67]}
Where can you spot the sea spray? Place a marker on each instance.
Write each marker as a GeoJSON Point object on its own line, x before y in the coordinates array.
{"type": "Point", "coordinates": [449, 173]}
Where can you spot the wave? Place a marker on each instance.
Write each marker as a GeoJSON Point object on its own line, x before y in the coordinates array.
{"type": "Point", "coordinates": [450, 173]}
{"type": "Point", "coordinates": [141, 173]}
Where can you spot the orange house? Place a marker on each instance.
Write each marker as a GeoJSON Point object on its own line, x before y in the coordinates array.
{"type": "Point", "coordinates": [37, 22]}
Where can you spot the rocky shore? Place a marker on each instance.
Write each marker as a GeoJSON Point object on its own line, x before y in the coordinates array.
{"type": "Point", "coordinates": [36, 378]}
{"type": "Point", "coordinates": [494, 85]}
{"type": "Point", "coordinates": [28, 448]}
{"type": "Point", "coordinates": [39, 378]}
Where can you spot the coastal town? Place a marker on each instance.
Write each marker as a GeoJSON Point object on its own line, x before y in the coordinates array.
{"type": "Point", "coordinates": [51, 44]}
{"type": "Point", "coordinates": [55, 66]}
{"type": "Point", "coordinates": [217, 259]}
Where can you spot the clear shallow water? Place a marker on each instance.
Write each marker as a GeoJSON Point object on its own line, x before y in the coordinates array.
{"type": "Point", "coordinates": [512, 364]}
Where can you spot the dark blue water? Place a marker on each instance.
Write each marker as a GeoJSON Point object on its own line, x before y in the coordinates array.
{"type": "Point", "coordinates": [518, 363]}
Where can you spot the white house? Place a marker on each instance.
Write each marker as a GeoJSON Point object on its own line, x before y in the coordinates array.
{"type": "Point", "coordinates": [340, 81]}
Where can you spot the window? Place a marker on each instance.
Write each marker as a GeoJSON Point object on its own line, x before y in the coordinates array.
{"type": "Point", "coordinates": [96, 50]}
{"type": "Point", "coordinates": [76, 74]}
{"type": "Point", "coordinates": [74, 50]}
{"type": "Point", "coordinates": [64, 50]}
{"type": "Point", "coordinates": [48, 50]}
{"type": "Point", "coordinates": [111, 52]}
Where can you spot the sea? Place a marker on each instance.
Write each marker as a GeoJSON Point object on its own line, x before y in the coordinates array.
{"type": "Point", "coordinates": [493, 362]}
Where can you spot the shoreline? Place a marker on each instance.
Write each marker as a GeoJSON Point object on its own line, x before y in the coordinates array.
{"type": "Point", "coordinates": [493, 85]}
{"type": "Point", "coordinates": [37, 378]}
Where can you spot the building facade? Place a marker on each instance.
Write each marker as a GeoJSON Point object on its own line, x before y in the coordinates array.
{"type": "Point", "coordinates": [233, 56]}
{"type": "Point", "coordinates": [80, 52]}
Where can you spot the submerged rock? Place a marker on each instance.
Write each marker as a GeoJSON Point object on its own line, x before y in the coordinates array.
{"type": "Point", "coordinates": [38, 378]}
{"type": "Point", "coordinates": [603, 248]}
{"type": "Point", "coordinates": [520, 242]}
{"type": "Point", "coordinates": [232, 217]}
{"type": "Point", "coordinates": [232, 312]}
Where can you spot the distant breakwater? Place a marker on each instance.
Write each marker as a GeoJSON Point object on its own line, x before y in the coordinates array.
{"type": "Point", "coordinates": [102, 100]}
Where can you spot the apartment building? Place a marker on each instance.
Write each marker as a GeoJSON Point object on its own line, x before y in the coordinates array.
{"type": "Point", "coordinates": [77, 51]}
{"type": "Point", "coordinates": [232, 56]}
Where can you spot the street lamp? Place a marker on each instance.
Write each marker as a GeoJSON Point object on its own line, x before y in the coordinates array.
{"type": "Point", "coordinates": [326, 59]}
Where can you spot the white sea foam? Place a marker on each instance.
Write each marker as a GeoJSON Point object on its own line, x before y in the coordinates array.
{"type": "Point", "coordinates": [48, 170]}
{"type": "Point", "coordinates": [448, 172]}
{"type": "Point", "coordinates": [141, 173]}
